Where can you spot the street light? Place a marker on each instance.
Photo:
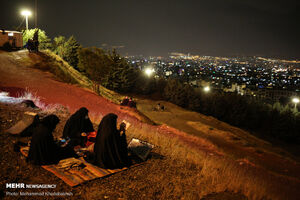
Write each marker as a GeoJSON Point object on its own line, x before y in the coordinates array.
{"type": "Point", "coordinates": [149, 71]}
{"type": "Point", "coordinates": [295, 101]}
{"type": "Point", "coordinates": [26, 13]}
{"type": "Point", "coordinates": [206, 89]}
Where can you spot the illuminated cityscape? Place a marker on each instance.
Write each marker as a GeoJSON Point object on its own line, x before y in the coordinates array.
{"type": "Point", "coordinates": [258, 77]}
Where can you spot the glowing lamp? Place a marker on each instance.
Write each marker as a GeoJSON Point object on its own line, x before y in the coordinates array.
{"type": "Point", "coordinates": [206, 89]}
{"type": "Point", "coordinates": [26, 13]}
{"type": "Point", "coordinates": [296, 100]}
{"type": "Point", "coordinates": [149, 71]}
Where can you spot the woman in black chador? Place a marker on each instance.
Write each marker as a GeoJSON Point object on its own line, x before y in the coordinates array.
{"type": "Point", "coordinates": [77, 124]}
{"type": "Point", "coordinates": [43, 149]}
{"type": "Point", "coordinates": [111, 147]}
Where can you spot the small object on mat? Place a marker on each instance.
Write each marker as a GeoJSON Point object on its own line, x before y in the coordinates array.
{"type": "Point", "coordinates": [127, 124]}
{"type": "Point", "coordinates": [140, 148]}
{"type": "Point", "coordinates": [63, 142]}
{"type": "Point", "coordinates": [30, 113]}
{"type": "Point", "coordinates": [91, 138]}
{"type": "Point", "coordinates": [69, 163]}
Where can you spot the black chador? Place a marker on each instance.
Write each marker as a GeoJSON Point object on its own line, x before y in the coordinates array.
{"type": "Point", "coordinates": [78, 123]}
{"type": "Point", "coordinates": [110, 147]}
{"type": "Point", "coordinates": [43, 149]}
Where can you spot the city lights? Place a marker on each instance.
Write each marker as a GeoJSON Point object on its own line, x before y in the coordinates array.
{"type": "Point", "coordinates": [247, 76]}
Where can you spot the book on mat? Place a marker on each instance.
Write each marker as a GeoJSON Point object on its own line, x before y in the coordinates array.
{"type": "Point", "coordinates": [140, 148]}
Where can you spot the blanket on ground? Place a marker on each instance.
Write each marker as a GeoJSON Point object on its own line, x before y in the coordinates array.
{"type": "Point", "coordinates": [75, 171]}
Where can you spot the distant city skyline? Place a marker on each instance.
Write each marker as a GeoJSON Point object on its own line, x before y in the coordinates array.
{"type": "Point", "coordinates": [256, 77]}
{"type": "Point", "coordinates": [157, 28]}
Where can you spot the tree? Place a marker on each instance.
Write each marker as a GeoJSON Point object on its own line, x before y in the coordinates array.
{"type": "Point", "coordinates": [175, 93]}
{"type": "Point", "coordinates": [71, 53]}
{"type": "Point", "coordinates": [94, 62]}
{"type": "Point", "coordinates": [66, 49]}
{"type": "Point", "coordinates": [58, 45]}
{"type": "Point", "coordinates": [121, 77]}
{"type": "Point", "coordinates": [44, 41]}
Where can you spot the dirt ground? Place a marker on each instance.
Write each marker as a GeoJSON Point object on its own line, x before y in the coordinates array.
{"type": "Point", "coordinates": [158, 178]}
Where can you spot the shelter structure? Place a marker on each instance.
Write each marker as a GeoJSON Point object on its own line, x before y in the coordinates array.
{"type": "Point", "coordinates": [13, 39]}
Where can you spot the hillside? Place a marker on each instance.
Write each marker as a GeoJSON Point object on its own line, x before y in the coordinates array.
{"type": "Point", "coordinates": [196, 155]}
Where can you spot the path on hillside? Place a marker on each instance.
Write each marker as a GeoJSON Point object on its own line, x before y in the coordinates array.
{"type": "Point", "coordinates": [14, 76]}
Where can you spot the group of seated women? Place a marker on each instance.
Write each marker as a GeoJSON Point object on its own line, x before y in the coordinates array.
{"type": "Point", "coordinates": [110, 147]}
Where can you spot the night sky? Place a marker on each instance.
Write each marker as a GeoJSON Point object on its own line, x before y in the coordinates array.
{"type": "Point", "coordinates": [151, 27]}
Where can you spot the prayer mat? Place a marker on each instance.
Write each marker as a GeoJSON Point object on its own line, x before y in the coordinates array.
{"type": "Point", "coordinates": [28, 119]}
{"type": "Point", "coordinates": [75, 171]}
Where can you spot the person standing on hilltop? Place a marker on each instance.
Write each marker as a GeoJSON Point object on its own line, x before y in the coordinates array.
{"type": "Point", "coordinates": [36, 40]}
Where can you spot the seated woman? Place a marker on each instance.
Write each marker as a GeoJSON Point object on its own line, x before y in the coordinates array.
{"type": "Point", "coordinates": [43, 149]}
{"type": "Point", "coordinates": [77, 124]}
{"type": "Point", "coordinates": [111, 148]}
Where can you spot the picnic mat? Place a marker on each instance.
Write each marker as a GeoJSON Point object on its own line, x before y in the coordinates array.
{"type": "Point", "coordinates": [75, 171]}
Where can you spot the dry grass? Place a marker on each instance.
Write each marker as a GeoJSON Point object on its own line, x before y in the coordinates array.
{"type": "Point", "coordinates": [167, 146]}
{"type": "Point", "coordinates": [48, 61]}
{"type": "Point", "coordinates": [222, 172]}
{"type": "Point", "coordinates": [255, 183]}
{"type": "Point", "coordinates": [47, 109]}
{"type": "Point", "coordinates": [218, 173]}
{"type": "Point", "coordinates": [67, 69]}
{"type": "Point", "coordinates": [83, 80]}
